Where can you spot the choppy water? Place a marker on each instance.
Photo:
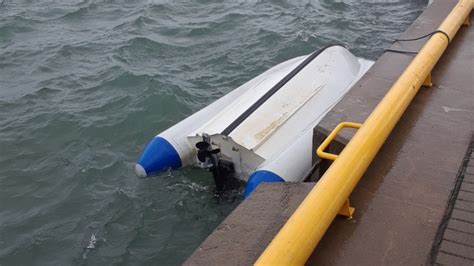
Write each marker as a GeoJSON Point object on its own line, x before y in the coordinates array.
{"type": "Point", "coordinates": [85, 84]}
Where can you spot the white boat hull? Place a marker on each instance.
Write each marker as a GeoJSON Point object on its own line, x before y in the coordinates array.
{"type": "Point", "coordinates": [264, 127]}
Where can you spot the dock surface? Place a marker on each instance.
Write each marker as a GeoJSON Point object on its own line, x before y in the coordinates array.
{"type": "Point", "coordinates": [404, 202]}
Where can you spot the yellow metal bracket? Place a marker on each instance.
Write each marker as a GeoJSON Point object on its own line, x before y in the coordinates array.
{"type": "Point", "coordinates": [467, 21]}
{"type": "Point", "coordinates": [325, 155]}
{"type": "Point", "coordinates": [346, 210]}
{"type": "Point", "coordinates": [427, 82]}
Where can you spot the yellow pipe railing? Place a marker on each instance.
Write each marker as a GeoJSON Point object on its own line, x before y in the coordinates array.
{"type": "Point", "coordinates": [299, 236]}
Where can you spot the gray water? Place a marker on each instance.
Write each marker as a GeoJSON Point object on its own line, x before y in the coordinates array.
{"type": "Point", "coordinates": [84, 85]}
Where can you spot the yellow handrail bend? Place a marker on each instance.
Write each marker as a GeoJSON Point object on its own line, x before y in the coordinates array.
{"type": "Point", "coordinates": [325, 155]}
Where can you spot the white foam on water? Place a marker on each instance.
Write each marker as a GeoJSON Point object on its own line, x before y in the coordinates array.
{"type": "Point", "coordinates": [91, 245]}
{"type": "Point", "coordinates": [92, 242]}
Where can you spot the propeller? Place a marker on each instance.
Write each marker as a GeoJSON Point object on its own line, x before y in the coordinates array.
{"type": "Point", "coordinates": [206, 152]}
{"type": "Point", "coordinates": [209, 157]}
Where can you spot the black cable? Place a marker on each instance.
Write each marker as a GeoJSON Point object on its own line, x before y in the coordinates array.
{"type": "Point", "coordinates": [424, 36]}
{"type": "Point", "coordinates": [415, 39]}
{"type": "Point", "coordinates": [400, 51]}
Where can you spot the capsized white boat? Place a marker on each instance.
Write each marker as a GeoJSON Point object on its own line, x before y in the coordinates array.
{"type": "Point", "coordinates": [261, 131]}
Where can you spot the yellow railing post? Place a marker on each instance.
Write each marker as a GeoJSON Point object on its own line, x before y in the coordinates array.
{"type": "Point", "coordinates": [299, 236]}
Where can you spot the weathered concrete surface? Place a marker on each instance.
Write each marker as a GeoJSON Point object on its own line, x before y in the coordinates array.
{"type": "Point", "coordinates": [401, 199]}
{"type": "Point", "coordinates": [245, 233]}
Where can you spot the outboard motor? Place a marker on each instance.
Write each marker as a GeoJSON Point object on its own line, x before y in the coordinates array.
{"type": "Point", "coordinates": [221, 170]}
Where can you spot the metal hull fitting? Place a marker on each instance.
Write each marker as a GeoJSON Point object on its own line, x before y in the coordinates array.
{"type": "Point", "coordinates": [264, 127]}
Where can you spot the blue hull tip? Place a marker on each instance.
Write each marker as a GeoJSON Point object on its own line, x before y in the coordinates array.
{"type": "Point", "coordinates": [259, 177]}
{"type": "Point", "coordinates": [158, 156]}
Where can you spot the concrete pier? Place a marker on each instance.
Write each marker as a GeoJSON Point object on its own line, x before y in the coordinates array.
{"type": "Point", "coordinates": [404, 202]}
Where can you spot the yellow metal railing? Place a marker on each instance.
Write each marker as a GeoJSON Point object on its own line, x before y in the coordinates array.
{"type": "Point", "coordinates": [299, 236]}
{"type": "Point", "coordinates": [325, 155]}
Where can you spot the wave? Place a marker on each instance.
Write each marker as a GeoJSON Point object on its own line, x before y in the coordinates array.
{"type": "Point", "coordinates": [81, 11]}
{"type": "Point", "coordinates": [144, 47]}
